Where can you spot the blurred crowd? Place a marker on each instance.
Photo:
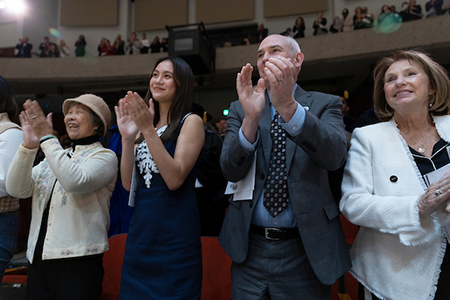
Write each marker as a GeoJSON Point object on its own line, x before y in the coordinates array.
{"type": "Point", "coordinates": [133, 45]}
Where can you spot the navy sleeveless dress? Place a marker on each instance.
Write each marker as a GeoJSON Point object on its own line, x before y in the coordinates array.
{"type": "Point", "coordinates": [163, 257]}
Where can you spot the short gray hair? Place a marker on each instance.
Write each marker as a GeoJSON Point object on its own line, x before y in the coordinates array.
{"type": "Point", "coordinates": [295, 47]}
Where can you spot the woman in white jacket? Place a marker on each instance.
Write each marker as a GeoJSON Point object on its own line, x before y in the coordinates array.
{"type": "Point", "coordinates": [70, 191]}
{"type": "Point", "coordinates": [400, 251]}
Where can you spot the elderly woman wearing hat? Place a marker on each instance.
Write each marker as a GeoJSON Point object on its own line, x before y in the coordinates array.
{"type": "Point", "coordinates": [70, 191]}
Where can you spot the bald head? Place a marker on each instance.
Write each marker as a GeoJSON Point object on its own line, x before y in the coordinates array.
{"type": "Point", "coordinates": [277, 46]}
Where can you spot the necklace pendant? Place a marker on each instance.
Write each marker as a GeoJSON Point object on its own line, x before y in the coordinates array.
{"type": "Point", "coordinates": [421, 150]}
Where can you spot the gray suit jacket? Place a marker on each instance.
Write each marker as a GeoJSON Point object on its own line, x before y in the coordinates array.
{"type": "Point", "coordinates": [320, 146]}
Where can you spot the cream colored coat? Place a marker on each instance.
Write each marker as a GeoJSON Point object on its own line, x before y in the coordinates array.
{"type": "Point", "coordinates": [396, 255]}
{"type": "Point", "coordinates": [80, 189]}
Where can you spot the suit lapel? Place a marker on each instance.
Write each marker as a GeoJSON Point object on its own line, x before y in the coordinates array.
{"type": "Point", "coordinates": [264, 127]}
{"type": "Point", "coordinates": [304, 98]}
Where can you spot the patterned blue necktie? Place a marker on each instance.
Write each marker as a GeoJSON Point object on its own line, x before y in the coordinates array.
{"type": "Point", "coordinates": [276, 193]}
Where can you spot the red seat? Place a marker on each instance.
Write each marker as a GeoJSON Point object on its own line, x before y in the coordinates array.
{"type": "Point", "coordinates": [20, 279]}
{"type": "Point", "coordinates": [112, 263]}
{"type": "Point", "coordinates": [216, 271]}
{"type": "Point", "coordinates": [350, 230]}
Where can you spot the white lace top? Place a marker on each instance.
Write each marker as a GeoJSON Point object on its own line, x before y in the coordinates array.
{"type": "Point", "coordinates": [144, 160]}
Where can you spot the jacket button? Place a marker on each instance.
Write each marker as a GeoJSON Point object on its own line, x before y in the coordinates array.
{"type": "Point", "coordinates": [262, 176]}
{"type": "Point", "coordinates": [393, 178]}
{"type": "Point", "coordinates": [251, 204]}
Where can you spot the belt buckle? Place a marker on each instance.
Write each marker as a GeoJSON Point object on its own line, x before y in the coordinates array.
{"type": "Point", "coordinates": [267, 231]}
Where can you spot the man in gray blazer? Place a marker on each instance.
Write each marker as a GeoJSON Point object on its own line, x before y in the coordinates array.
{"type": "Point", "coordinates": [299, 251]}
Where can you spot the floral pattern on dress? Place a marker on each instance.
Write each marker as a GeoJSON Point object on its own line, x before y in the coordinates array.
{"type": "Point", "coordinates": [42, 181]}
{"type": "Point", "coordinates": [64, 195]}
{"type": "Point", "coordinates": [145, 162]}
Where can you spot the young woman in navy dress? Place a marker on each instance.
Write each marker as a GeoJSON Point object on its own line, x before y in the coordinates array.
{"type": "Point", "coordinates": [161, 142]}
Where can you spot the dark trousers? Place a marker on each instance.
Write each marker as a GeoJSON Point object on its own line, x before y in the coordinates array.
{"type": "Point", "coordinates": [276, 270]}
{"type": "Point", "coordinates": [66, 279]}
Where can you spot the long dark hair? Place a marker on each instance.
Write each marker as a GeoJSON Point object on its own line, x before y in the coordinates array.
{"type": "Point", "coordinates": [7, 101]}
{"type": "Point", "coordinates": [182, 102]}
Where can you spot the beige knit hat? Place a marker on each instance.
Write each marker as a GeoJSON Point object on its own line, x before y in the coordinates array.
{"type": "Point", "coordinates": [95, 103]}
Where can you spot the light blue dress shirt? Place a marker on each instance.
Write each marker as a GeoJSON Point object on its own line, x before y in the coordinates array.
{"type": "Point", "coordinates": [261, 215]}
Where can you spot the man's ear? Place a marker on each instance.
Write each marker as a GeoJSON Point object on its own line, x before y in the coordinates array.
{"type": "Point", "coordinates": [298, 58]}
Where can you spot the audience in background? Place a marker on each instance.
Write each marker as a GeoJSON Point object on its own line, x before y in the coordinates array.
{"type": "Point", "coordinates": [134, 45]}
{"type": "Point", "coordinates": [44, 46]}
{"type": "Point", "coordinates": [24, 48]}
{"type": "Point", "coordinates": [156, 45]}
{"type": "Point", "coordinates": [107, 49]}
{"type": "Point", "coordinates": [100, 46]}
{"type": "Point", "coordinates": [319, 24]}
{"type": "Point", "coordinates": [348, 21]}
{"type": "Point", "coordinates": [261, 33]}
{"type": "Point", "coordinates": [64, 50]}
{"type": "Point", "coordinates": [287, 32]}
{"type": "Point", "coordinates": [165, 44]}
{"type": "Point", "coordinates": [299, 28]}
{"type": "Point", "coordinates": [119, 45]}
{"type": "Point", "coordinates": [52, 50]}
{"type": "Point", "coordinates": [80, 46]}
{"type": "Point", "coordinates": [413, 11]}
{"type": "Point", "coordinates": [363, 19]}
{"type": "Point", "coordinates": [434, 8]}
{"type": "Point", "coordinates": [145, 44]}
{"type": "Point", "coordinates": [337, 25]}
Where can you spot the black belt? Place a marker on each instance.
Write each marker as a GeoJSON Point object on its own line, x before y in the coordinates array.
{"type": "Point", "coordinates": [275, 234]}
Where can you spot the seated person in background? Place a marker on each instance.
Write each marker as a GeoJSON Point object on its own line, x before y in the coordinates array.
{"type": "Point", "coordinates": [100, 46]}
{"type": "Point", "coordinates": [261, 33]}
{"type": "Point", "coordinates": [348, 21]}
{"type": "Point", "coordinates": [299, 28]}
{"type": "Point", "coordinates": [434, 8]}
{"type": "Point", "coordinates": [164, 44]}
{"type": "Point", "coordinates": [80, 46]}
{"type": "Point", "coordinates": [337, 25]}
{"type": "Point", "coordinates": [362, 18]}
{"type": "Point", "coordinates": [52, 50]}
{"type": "Point", "coordinates": [64, 50]}
{"type": "Point", "coordinates": [24, 48]}
{"type": "Point", "coordinates": [287, 32]}
{"type": "Point", "coordinates": [155, 46]}
{"type": "Point", "coordinates": [107, 49]}
{"type": "Point", "coordinates": [413, 11]}
{"type": "Point", "coordinates": [319, 24]}
{"type": "Point", "coordinates": [145, 44]}
{"type": "Point", "coordinates": [134, 45]}
{"type": "Point", "coordinates": [44, 46]}
{"type": "Point", "coordinates": [119, 45]}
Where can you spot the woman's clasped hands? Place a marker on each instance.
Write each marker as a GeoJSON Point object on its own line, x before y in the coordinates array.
{"type": "Point", "coordinates": [437, 197]}
{"type": "Point", "coordinates": [134, 115]}
{"type": "Point", "coordinates": [34, 124]}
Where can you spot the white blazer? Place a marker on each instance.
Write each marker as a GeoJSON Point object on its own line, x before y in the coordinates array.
{"type": "Point", "coordinates": [396, 254]}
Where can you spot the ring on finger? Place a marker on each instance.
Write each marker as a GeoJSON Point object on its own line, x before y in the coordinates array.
{"type": "Point", "coordinates": [438, 192]}
{"type": "Point", "coordinates": [33, 117]}
{"type": "Point", "coordinates": [281, 79]}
